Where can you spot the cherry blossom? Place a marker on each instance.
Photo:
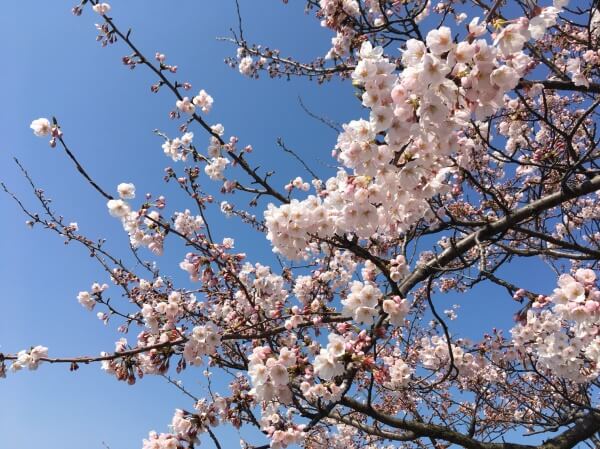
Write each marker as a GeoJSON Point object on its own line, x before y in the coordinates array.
{"type": "Point", "coordinates": [126, 191]}
{"type": "Point", "coordinates": [101, 8]}
{"type": "Point", "coordinates": [29, 359]}
{"type": "Point", "coordinates": [203, 101]}
{"type": "Point", "coordinates": [41, 127]}
{"type": "Point", "coordinates": [185, 105]}
{"type": "Point", "coordinates": [472, 149]}
{"type": "Point", "coordinates": [118, 208]}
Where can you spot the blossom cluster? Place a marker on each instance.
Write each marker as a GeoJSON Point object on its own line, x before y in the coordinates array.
{"type": "Point", "coordinates": [564, 336]}
{"type": "Point", "coordinates": [178, 148]}
{"type": "Point", "coordinates": [203, 340]}
{"type": "Point", "coordinates": [156, 309]}
{"type": "Point", "coordinates": [435, 355]}
{"type": "Point", "coordinates": [335, 13]}
{"type": "Point", "coordinates": [269, 374]}
{"type": "Point", "coordinates": [88, 298]}
{"type": "Point", "coordinates": [288, 225]}
{"type": "Point", "coordinates": [186, 223]}
{"type": "Point", "coordinates": [29, 359]}
{"type": "Point", "coordinates": [281, 432]}
{"type": "Point", "coordinates": [328, 363]}
{"type": "Point", "coordinates": [362, 301]}
{"type": "Point", "coordinates": [202, 101]}
{"type": "Point", "coordinates": [399, 372]}
{"type": "Point", "coordinates": [423, 115]}
{"type": "Point", "coordinates": [160, 441]}
{"type": "Point", "coordinates": [143, 226]}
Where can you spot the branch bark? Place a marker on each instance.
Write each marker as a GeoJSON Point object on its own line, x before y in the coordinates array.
{"type": "Point", "coordinates": [497, 227]}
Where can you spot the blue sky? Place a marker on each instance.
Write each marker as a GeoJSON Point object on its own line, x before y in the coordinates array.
{"type": "Point", "coordinates": [54, 67]}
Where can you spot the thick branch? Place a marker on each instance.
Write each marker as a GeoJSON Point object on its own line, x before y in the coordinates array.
{"type": "Point", "coordinates": [583, 429]}
{"type": "Point", "coordinates": [495, 228]}
{"type": "Point", "coordinates": [429, 430]}
{"type": "Point", "coordinates": [562, 85]}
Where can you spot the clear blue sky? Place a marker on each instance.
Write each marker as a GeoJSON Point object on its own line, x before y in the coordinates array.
{"type": "Point", "coordinates": [53, 66]}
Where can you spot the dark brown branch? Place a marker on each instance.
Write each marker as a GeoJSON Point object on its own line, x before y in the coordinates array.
{"type": "Point", "coordinates": [497, 227]}
{"type": "Point", "coordinates": [561, 85]}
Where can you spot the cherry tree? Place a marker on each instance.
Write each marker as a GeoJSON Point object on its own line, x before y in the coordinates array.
{"type": "Point", "coordinates": [476, 150]}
